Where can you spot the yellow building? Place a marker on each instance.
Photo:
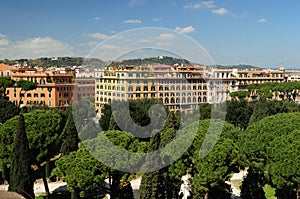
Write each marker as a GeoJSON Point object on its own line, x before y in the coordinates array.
{"type": "Point", "coordinates": [178, 87]}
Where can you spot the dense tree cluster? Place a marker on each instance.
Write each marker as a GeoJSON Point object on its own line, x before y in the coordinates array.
{"type": "Point", "coordinates": [262, 135]}
{"type": "Point", "coordinates": [151, 60]}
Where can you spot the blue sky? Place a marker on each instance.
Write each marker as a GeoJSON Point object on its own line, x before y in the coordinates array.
{"type": "Point", "coordinates": [258, 32]}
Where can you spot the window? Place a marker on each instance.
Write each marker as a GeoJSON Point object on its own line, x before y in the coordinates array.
{"type": "Point", "coordinates": [43, 95]}
{"type": "Point", "coordinates": [28, 94]}
{"type": "Point", "coordinates": [166, 101]}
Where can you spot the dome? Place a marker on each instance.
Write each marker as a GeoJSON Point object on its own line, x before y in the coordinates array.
{"type": "Point", "coordinates": [282, 68]}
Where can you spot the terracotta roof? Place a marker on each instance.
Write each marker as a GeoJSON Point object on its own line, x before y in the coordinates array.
{"type": "Point", "coordinates": [5, 67]}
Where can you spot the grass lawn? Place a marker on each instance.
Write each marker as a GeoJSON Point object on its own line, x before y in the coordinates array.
{"type": "Point", "coordinates": [269, 192]}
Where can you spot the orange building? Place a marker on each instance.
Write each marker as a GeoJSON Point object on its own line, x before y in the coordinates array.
{"type": "Point", "coordinates": [54, 88]}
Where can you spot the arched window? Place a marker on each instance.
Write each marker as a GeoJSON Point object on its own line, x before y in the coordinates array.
{"type": "Point", "coordinates": [199, 99]}
{"type": "Point", "coordinates": [189, 100]}
{"type": "Point", "coordinates": [166, 100]}
{"type": "Point", "coordinates": [172, 100]}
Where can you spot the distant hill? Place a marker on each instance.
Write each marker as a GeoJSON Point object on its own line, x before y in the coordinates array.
{"type": "Point", "coordinates": [151, 60]}
{"type": "Point", "coordinates": [239, 66]}
{"type": "Point", "coordinates": [55, 62]}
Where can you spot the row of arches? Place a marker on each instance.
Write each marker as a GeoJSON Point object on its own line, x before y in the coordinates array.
{"type": "Point", "coordinates": [183, 100]}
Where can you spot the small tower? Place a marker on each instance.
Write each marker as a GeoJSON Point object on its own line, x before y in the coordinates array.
{"type": "Point", "coordinates": [282, 68]}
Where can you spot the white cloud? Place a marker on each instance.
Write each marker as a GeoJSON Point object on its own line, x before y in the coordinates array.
{"type": "Point", "coordinates": [97, 18]}
{"type": "Point", "coordinates": [262, 20]}
{"type": "Point", "coordinates": [203, 4]}
{"type": "Point", "coordinates": [4, 41]}
{"type": "Point", "coordinates": [156, 19]}
{"type": "Point", "coordinates": [97, 35]}
{"type": "Point", "coordinates": [91, 44]}
{"type": "Point", "coordinates": [143, 40]}
{"type": "Point", "coordinates": [108, 47]}
{"type": "Point", "coordinates": [187, 29]}
{"type": "Point", "coordinates": [162, 44]}
{"type": "Point", "coordinates": [35, 48]}
{"type": "Point", "coordinates": [133, 21]}
{"type": "Point", "coordinates": [134, 3]}
{"type": "Point", "coordinates": [166, 36]}
{"type": "Point", "coordinates": [239, 16]}
{"type": "Point", "coordinates": [220, 11]}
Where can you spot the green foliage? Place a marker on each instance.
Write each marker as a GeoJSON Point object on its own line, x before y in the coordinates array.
{"type": "Point", "coordinates": [44, 134]}
{"type": "Point", "coordinates": [269, 192]}
{"type": "Point", "coordinates": [266, 89]}
{"type": "Point", "coordinates": [272, 145]}
{"type": "Point", "coordinates": [7, 110]}
{"type": "Point", "coordinates": [70, 136]}
{"type": "Point", "coordinates": [81, 171]}
{"type": "Point", "coordinates": [21, 173]}
{"type": "Point", "coordinates": [240, 94]}
{"type": "Point", "coordinates": [26, 85]}
{"type": "Point", "coordinates": [104, 121]}
{"type": "Point", "coordinates": [83, 112]}
{"type": "Point", "coordinates": [252, 186]}
{"type": "Point", "coordinates": [151, 60]}
{"type": "Point", "coordinates": [261, 109]}
{"type": "Point", "coordinates": [5, 82]}
{"type": "Point", "coordinates": [211, 171]}
{"type": "Point", "coordinates": [152, 182]}
{"type": "Point", "coordinates": [84, 172]}
{"type": "Point", "coordinates": [138, 118]}
{"type": "Point", "coordinates": [239, 113]}
{"type": "Point", "coordinates": [205, 111]}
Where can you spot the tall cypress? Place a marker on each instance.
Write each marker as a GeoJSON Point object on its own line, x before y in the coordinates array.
{"type": "Point", "coordinates": [21, 180]}
{"type": "Point", "coordinates": [70, 134]}
{"type": "Point", "coordinates": [152, 182]}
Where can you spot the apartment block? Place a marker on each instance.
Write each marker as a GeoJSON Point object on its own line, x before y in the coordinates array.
{"type": "Point", "coordinates": [180, 88]}
{"type": "Point", "coordinates": [54, 87]}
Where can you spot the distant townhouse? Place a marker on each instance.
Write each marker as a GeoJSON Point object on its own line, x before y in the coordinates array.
{"type": "Point", "coordinates": [84, 86]}
{"type": "Point", "coordinates": [54, 87]}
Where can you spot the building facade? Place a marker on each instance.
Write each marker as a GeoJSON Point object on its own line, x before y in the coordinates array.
{"type": "Point", "coordinates": [54, 88]}
{"type": "Point", "coordinates": [180, 88]}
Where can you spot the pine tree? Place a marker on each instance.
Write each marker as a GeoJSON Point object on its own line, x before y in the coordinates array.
{"type": "Point", "coordinates": [152, 182]}
{"type": "Point", "coordinates": [252, 186]}
{"type": "Point", "coordinates": [21, 180]}
{"type": "Point", "coordinates": [70, 134]}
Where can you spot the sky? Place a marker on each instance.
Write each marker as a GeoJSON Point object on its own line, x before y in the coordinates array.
{"type": "Point", "coordinates": [257, 32]}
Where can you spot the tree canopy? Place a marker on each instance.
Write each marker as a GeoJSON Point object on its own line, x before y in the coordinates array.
{"type": "Point", "coordinates": [271, 145]}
